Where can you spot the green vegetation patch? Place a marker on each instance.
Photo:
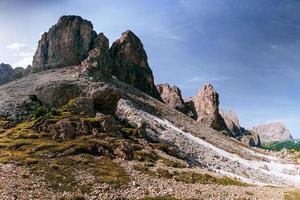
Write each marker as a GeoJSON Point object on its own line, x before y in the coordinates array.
{"type": "Point", "coordinates": [278, 146]}
{"type": "Point", "coordinates": [160, 198]}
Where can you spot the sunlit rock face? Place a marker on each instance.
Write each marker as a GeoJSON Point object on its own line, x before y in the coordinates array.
{"type": "Point", "coordinates": [171, 96]}
{"type": "Point", "coordinates": [273, 132]}
{"type": "Point", "coordinates": [206, 104]}
{"type": "Point", "coordinates": [66, 43]}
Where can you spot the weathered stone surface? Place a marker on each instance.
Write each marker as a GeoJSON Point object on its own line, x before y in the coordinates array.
{"type": "Point", "coordinates": [69, 128]}
{"type": "Point", "coordinates": [105, 99]}
{"type": "Point", "coordinates": [250, 138]}
{"type": "Point", "coordinates": [101, 42]}
{"type": "Point", "coordinates": [6, 71]}
{"type": "Point", "coordinates": [131, 63]}
{"type": "Point", "coordinates": [98, 65]}
{"type": "Point", "coordinates": [81, 106]}
{"type": "Point", "coordinates": [273, 132]}
{"type": "Point", "coordinates": [232, 122]}
{"type": "Point", "coordinates": [206, 104]}
{"type": "Point", "coordinates": [171, 96]}
{"type": "Point", "coordinates": [57, 93]}
{"type": "Point", "coordinates": [67, 43]}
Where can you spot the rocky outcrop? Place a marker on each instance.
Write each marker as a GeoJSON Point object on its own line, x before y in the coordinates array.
{"type": "Point", "coordinates": [250, 138]}
{"type": "Point", "coordinates": [7, 73]}
{"type": "Point", "coordinates": [98, 65]}
{"type": "Point", "coordinates": [67, 43]}
{"type": "Point", "coordinates": [273, 132]}
{"type": "Point", "coordinates": [171, 96]}
{"type": "Point", "coordinates": [131, 63]}
{"type": "Point", "coordinates": [206, 104]}
{"type": "Point", "coordinates": [232, 122]}
{"type": "Point", "coordinates": [105, 99]}
{"type": "Point", "coordinates": [58, 93]}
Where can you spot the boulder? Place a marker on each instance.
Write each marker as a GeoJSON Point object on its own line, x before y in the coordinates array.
{"type": "Point", "coordinates": [105, 99]}
{"type": "Point", "coordinates": [206, 104]}
{"type": "Point", "coordinates": [67, 43]}
{"type": "Point", "coordinates": [171, 96]}
{"type": "Point", "coordinates": [57, 93]}
{"type": "Point", "coordinates": [69, 128]}
{"type": "Point", "coordinates": [131, 64]}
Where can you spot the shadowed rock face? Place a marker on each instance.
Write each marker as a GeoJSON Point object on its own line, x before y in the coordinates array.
{"type": "Point", "coordinates": [232, 122]}
{"type": "Point", "coordinates": [171, 96]}
{"type": "Point", "coordinates": [131, 63]}
{"type": "Point", "coordinates": [206, 104]}
{"type": "Point", "coordinates": [98, 65]}
{"type": "Point", "coordinates": [66, 43]}
{"type": "Point", "coordinates": [6, 71]}
{"type": "Point", "coordinates": [273, 132]}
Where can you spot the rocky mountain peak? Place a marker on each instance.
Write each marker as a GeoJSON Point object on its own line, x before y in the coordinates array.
{"type": "Point", "coordinates": [206, 104]}
{"type": "Point", "coordinates": [131, 63]}
{"type": "Point", "coordinates": [232, 121]}
{"type": "Point", "coordinates": [67, 43]}
{"type": "Point", "coordinates": [273, 132]}
{"type": "Point", "coordinates": [171, 96]}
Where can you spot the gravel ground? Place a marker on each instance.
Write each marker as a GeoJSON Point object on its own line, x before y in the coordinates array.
{"type": "Point", "coordinates": [16, 182]}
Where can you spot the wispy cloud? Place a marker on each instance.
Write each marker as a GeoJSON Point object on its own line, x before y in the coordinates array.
{"type": "Point", "coordinates": [200, 80]}
{"type": "Point", "coordinates": [208, 79]}
{"type": "Point", "coordinates": [24, 62]}
{"type": "Point", "coordinates": [16, 46]}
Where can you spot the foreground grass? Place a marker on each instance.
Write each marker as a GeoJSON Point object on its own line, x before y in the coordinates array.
{"type": "Point", "coordinates": [292, 195]}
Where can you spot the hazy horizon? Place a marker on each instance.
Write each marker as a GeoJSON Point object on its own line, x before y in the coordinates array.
{"type": "Point", "coordinates": [247, 50]}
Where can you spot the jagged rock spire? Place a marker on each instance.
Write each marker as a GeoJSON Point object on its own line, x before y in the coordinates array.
{"type": "Point", "coordinates": [66, 43]}
{"type": "Point", "coordinates": [131, 63]}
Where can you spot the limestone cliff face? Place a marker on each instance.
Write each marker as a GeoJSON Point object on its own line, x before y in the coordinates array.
{"type": "Point", "coordinates": [73, 42]}
{"type": "Point", "coordinates": [131, 63]}
{"type": "Point", "coordinates": [206, 104]}
{"type": "Point", "coordinates": [171, 96]}
{"type": "Point", "coordinates": [232, 122]}
{"type": "Point", "coordinates": [67, 43]}
{"type": "Point", "coordinates": [273, 132]}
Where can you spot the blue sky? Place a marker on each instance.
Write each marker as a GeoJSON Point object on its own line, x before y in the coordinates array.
{"type": "Point", "coordinates": [248, 49]}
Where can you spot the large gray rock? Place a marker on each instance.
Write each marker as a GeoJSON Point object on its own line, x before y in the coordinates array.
{"type": "Point", "coordinates": [131, 63]}
{"type": "Point", "coordinates": [57, 93]}
{"type": "Point", "coordinates": [67, 43]}
{"type": "Point", "coordinates": [206, 104]}
{"type": "Point", "coordinates": [105, 99]}
{"type": "Point", "coordinates": [171, 96]}
{"type": "Point", "coordinates": [273, 132]}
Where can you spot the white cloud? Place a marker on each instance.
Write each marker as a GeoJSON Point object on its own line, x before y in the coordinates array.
{"type": "Point", "coordinates": [208, 79]}
{"type": "Point", "coordinates": [16, 46]}
{"type": "Point", "coordinates": [24, 62]}
{"type": "Point", "coordinates": [26, 54]}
